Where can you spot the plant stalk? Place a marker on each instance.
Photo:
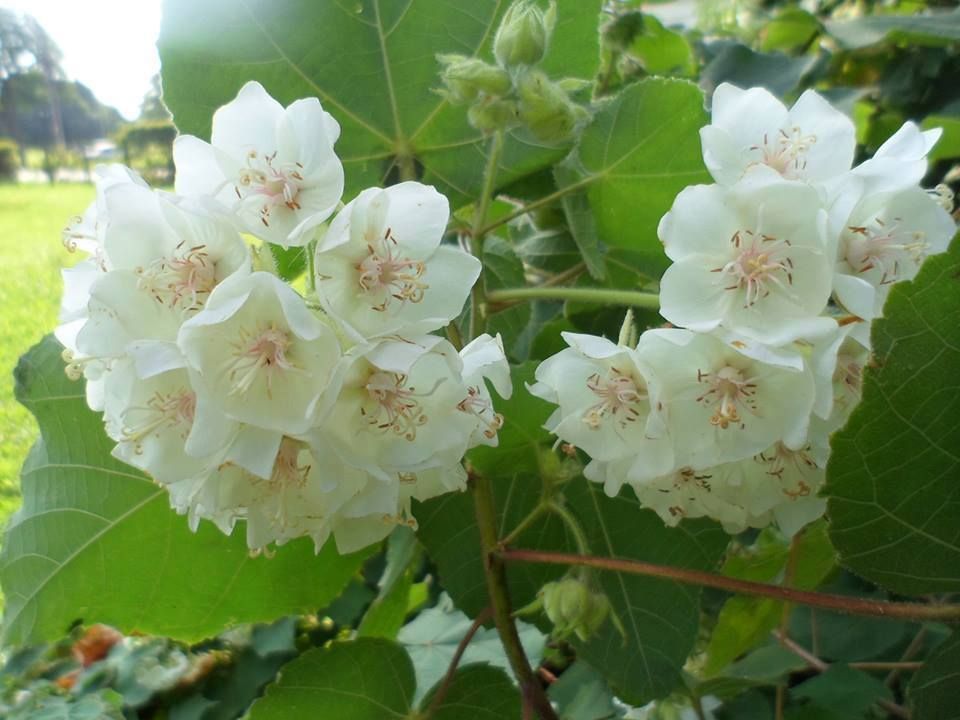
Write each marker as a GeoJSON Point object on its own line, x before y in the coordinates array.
{"type": "Point", "coordinates": [593, 295]}
{"type": "Point", "coordinates": [441, 693]}
{"type": "Point", "coordinates": [478, 294]}
{"type": "Point", "coordinates": [495, 572]}
{"type": "Point", "coordinates": [840, 603]}
{"type": "Point", "coordinates": [538, 203]}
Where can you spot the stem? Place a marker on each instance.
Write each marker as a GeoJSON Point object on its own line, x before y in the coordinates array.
{"type": "Point", "coordinates": [538, 203]}
{"type": "Point", "coordinates": [838, 603]}
{"type": "Point", "coordinates": [406, 166]}
{"type": "Point", "coordinates": [912, 649]}
{"type": "Point", "coordinates": [595, 295]}
{"type": "Point", "coordinates": [898, 666]}
{"type": "Point", "coordinates": [478, 295]}
{"type": "Point", "coordinates": [523, 525]}
{"type": "Point", "coordinates": [821, 666]}
{"type": "Point", "coordinates": [496, 576]}
{"type": "Point", "coordinates": [441, 693]}
{"type": "Point", "coordinates": [311, 279]}
{"type": "Point", "coordinates": [573, 525]}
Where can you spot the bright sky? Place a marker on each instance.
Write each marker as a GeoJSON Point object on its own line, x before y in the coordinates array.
{"type": "Point", "coordinates": [108, 45]}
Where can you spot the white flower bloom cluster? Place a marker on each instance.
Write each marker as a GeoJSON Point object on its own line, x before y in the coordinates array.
{"type": "Point", "coordinates": [246, 400]}
{"type": "Point", "coordinates": [777, 271]}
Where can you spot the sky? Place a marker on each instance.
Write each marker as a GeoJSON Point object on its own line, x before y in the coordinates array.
{"type": "Point", "coordinates": [108, 45]}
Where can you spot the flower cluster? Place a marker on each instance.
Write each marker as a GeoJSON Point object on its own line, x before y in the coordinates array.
{"type": "Point", "coordinates": [243, 398]}
{"type": "Point", "coordinates": [777, 271]}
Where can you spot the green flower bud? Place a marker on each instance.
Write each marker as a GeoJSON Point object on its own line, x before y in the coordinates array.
{"type": "Point", "coordinates": [524, 34]}
{"type": "Point", "coordinates": [573, 607]}
{"type": "Point", "coordinates": [491, 115]}
{"type": "Point", "coordinates": [545, 108]}
{"type": "Point", "coordinates": [465, 78]}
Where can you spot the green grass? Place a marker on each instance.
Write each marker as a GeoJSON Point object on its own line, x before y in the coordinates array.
{"type": "Point", "coordinates": [31, 254]}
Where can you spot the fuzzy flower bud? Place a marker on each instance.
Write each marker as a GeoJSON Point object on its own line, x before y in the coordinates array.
{"type": "Point", "coordinates": [466, 78]}
{"type": "Point", "coordinates": [546, 109]}
{"type": "Point", "coordinates": [573, 607]}
{"type": "Point", "coordinates": [524, 34]}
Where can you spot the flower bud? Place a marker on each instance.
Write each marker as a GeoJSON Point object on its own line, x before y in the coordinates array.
{"type": "Point", "coordinates": [465, 78]}
{"type": "Point", "coordinates": [492, 115]}
{"type": "Point", "coordinates": [524, 34]}
{"type": "Point", "coordinates": [545, 108]}
{"type": "Point", "coordinates": [573, 607]}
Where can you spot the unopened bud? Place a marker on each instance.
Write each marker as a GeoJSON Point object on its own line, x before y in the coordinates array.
{"type": "Point", "coordinates": [545, 108]}
{"type": "Point", "coordinates": [524, 34]}
{"type": "Point", "coordinates": [465, 78]}
{"type": "Point", "coordinates": [492, 115]}
{"type": "Point", "coordinates": [573, 607]}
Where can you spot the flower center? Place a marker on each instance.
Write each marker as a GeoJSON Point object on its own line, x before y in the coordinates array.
{"type": "Point", "coordinates": [884, 247]}
{"type": "Point", "coordinates": [781, 460]}
{"type": "Point", "coordinates": [162, 412]}
{"type": "Point", "coordinates": [619, 397]}
{"type": "Point", "coordinates": [786, 153]}
{"type": "Point", "coordinates": [393, 407]}
{"type": "Point", "coordinates": [383, 272]}
{"type": "Point", "coordinates": [690, 481]}
{"type": "Point", "coordinates": [481, 407]}
{"type": "Point", "coordinates": [260, 353]}
{"type": "Point", "coordinates": [760, 263]}
{"type": "Point", "coordinates": [180, 282]}
{"type": "Point", "coordinates": [275, 183]}
{"type": "Point", "coordinates": [728, 392]}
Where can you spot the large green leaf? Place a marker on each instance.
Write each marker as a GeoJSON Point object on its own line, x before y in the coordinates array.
{"type": "Point", "coordinates": [893, 495]}
{"type": "Point", "coordinates": [930, 29]}
{"type": "Point", "coordinates": [372, 64]}
{"type": "Point", "coordinates": [933, 690]}
{"type": "Point", "coordinates": [640, 150]}
{"type": "Point", "coordinates": [96, 540]}
{"type": "Point", "coordinates": [372, 679]}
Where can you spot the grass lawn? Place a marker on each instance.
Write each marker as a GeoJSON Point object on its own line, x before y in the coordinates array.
{"type": "Point", "coordinates": [31, 254]}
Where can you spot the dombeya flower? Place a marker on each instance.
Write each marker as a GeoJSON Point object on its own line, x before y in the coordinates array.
{"type": "Point", "coordinates": [381, 270]}
{"type": "Point", "coordinates": [273, 166]}
{"type": "Point", "coordinates": [750, 129]}
{"type": "Point", "coordinates": [259, 356]}
{"type": "Point", "coordinates": [753, 258]}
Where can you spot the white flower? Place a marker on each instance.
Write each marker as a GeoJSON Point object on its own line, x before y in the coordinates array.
{"type": "Point", "coordinates": [750, 129]}
{"type": "Point", "coordinates": [403, 406]}
{"type": "Point", "coordinates": [484, 359]}
{"type": "Point", "coordinates": [886, 238]}
{"type": "Point", "coordinates": [753, 259]}
{"type": "Point", "coordinates": [721, 404]}
{"type": "Point", "coordinates": [274, 167]}
{"type": "Point", "coordinates": [609, 404]}
{"type": "Point", "coordinates": [259, 356]}
{"type": "Point", "coordinates": [381, 269]}
{"type": "Point", "coordinates": [900, 162]}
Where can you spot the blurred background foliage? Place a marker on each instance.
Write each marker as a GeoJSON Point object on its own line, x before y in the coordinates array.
{"type": "Point", "coordinates": [883, 62]}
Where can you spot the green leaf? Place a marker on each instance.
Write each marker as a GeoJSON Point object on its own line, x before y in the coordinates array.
{"type": "Point", "coordinates": [581, 693]}
{"type": "Point", "coordinates": [791, 29]}
{"type": "Point", "coordinates": [640, 150]}
{"type": "Point", "coordinates": [893, 496]}
{"type": "Point", "coordinates": [290, 262]}
{"type": "Point", "coordinates": [478, 692]}
{"type": "Point", "coordinates": [502, 269]}
{"type": "Point", "coordinates": [96, 540]}
{"type": "Point", "coordinates": [933, 690]}
{"type": "Point", "coordinates": [844, 691]}
{"type": "Point", "coordinates": [662, 51]}
{"type": "Point", "coordinates": [928, 29]}
{"type": "Point", "coordinates": [366, 679]}
{"type": "Point", "coordinates": [738, 64]}
{"type": "Point", "coordinates": [949, 144]}
{"type": "Point", "coordinates": [660, 617]}
{"type": "Point", "coordinates": [583, 225]}
{"type": "Point", "coordinates": [372, 65]}
{"type": "Point", "coordinates": [386, 613]}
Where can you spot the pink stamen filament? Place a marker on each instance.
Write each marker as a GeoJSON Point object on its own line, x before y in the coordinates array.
{"type": "Point", "coordinates": [760, 263]}
{"type": "Point", "coordinates": [728, 391]}
{"type": "Point", "coordinates": [620, 398]}
{"type": "Point", "coordinates": [395, 276]}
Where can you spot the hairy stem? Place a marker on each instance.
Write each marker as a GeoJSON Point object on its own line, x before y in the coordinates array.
{"type": "Point", "coordinates": [495, 572]}
{"type": "Point", "coordinates": [838, 603]}
{"type": "Point", "coordinates": [479, 232]}
{"type": "Point", "coordinates": [593, 295]}
{"type": "Point", "coordinates": [441, 693]}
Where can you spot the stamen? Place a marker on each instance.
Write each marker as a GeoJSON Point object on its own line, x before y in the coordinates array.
{"type": "Point", "coordinates": [263, 352]}
{"type": "Point", "coordinates": [275, 183]}
{"type": "Point", "coordinates": [730, 392]}
{"type": "Point", "coordinates": [760, 264]}
{"type": "Point", "coordinates": [395, 407]}
{"type": "Point", "coordinates": [397, 277]}
{"type": "Point", "coordinates": [787, 153]}
{"type": "Point", "coordinates": [620, 397]}
{"type": "Point", "coordinates": [479, 406]}
{"type": "Point", "coordinates": [780, 459]}
{"type": "Point", "coordinates": [163, 412]}
{"type": "Point", "coordinates": [884, 247]}
{"type": "Point", "coordinates": [182, 281]}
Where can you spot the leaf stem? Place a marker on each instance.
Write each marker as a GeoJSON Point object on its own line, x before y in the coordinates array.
{"type": "Point", "coordinates": [441, 693]}
{"type": "Point", "coordinates": [838, 603]}
{"type": "Point", "coordinates": [521, 527]}
{"type": "Point", "coordinates": [495, 572]}
{"type": "Point", "coordinates": [593, 295]}
{"type": "Point", "coordinates": [478, 294]}
{"type": "Point", "coordinates": [538, 203]}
